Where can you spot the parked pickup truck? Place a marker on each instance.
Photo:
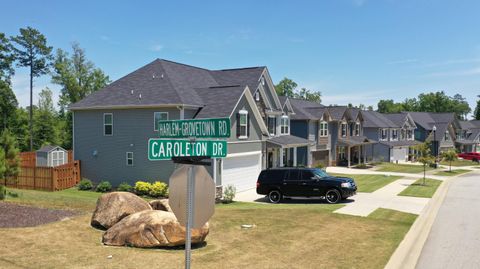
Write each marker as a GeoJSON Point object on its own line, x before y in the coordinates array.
{"type": "Point", "coordinates": [472, 156]}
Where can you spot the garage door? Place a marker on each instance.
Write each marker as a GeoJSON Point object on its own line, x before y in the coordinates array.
{"type": "Point", "coordinates": [241, 171]}
{"type": "Point", "coordinates": [399, 154]}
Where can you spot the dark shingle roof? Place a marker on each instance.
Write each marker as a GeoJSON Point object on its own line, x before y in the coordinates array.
{"type": "Point", "coordinates": [48, 148]}
{"type": "Point", "coordinates": [164, 82]}
{"type": "Point", "coordinates": [304, 110]}
{"type": "Point", "coordinates": [289, 140]}
{"type": "Point", "coordinates": [396, 118]}
{"type": "Point", "coordinates": [373, 119]}
{"type": "Point", "coordinates": [403, 143]}
{"type": "Point", "coordinates": [337, 112]}
{"type": "Point", "coordinates": [219, 101]}
{"type": "Point", "coordinates": [428, 119]}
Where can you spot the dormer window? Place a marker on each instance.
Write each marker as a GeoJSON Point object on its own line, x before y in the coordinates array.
{"type": "Point", "coordinates": [262, 80]}
{"type": "Point", "coordinates": [357, 129]}
{"type": "Point", "coordinates": [447, 136]}
{"type": "Point", "coordinates": [383, 134]}
{"type": "Point", "coordinates": [344, 129]}
{"type": "Point", "coordinates": [394, 135]}
{"type": "Point", "coordinates": [242, 124]}
{"type": "Point", "coordinates": [272, 125]}
{"type": "Point", "coordinates": [284, 124]}
{"type": "Point", "coordinates": [257, 95]}
{"type": "Point", "coordinates": [410, 134]}
{"type": "Point", "coordinates": [323, 128]}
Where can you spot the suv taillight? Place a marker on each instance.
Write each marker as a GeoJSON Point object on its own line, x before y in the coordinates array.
{"type": "Point", "coordinates": [258, 184]}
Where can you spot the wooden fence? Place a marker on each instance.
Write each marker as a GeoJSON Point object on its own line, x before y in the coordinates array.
{"type": "Point", "coordinates": [30, 158]}
{"type": "Point", "coordinates": [44, 178]}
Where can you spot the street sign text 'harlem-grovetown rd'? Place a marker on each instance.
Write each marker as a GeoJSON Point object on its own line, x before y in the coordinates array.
{"type": "Point", "coordinates": [201, 128]}
{"type": "Point", "coordinates": [165, 149]}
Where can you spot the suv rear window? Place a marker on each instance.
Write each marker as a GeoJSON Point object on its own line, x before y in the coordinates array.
{"type": "Point", "coordinates": [273, 175]}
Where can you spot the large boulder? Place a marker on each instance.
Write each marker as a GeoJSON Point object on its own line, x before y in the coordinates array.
{"type": "Point", "coordinates": [161, 204]}
{"type": "Point", "coordinates": [114, 206]}
{"type": "Point", "coordinates": [151, 228]}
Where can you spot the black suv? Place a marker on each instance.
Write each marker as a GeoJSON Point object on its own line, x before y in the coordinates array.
{"type": "Point", "coordinates": [305, 182]}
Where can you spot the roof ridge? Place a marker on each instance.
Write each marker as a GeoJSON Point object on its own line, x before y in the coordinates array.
{"type": "Point", "coordinates": [240, 68]}
{"type": "Point", "coordinates": [188, 65]}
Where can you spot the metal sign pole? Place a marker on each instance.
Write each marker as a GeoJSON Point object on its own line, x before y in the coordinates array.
{"type": "Point", "coordinates": [190, 201]}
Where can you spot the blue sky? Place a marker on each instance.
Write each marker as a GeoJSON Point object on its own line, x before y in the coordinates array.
{"type": "Point", "coordinates": [357, 51]}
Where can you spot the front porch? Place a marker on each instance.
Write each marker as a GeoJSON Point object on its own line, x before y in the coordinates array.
{"type": "Point", "coordinates": [352, 151]}
{"type": "Point", "coordinates": [284, 151]}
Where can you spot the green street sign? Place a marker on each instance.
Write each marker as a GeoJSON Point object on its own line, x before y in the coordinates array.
{"type": "Point", "coordinates": [165, 149]}
{"type": "Point", "coordinates": [201, 128]}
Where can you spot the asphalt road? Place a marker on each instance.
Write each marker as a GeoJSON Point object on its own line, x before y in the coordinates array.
{"type": "Point", "coordinates": [454, 241]}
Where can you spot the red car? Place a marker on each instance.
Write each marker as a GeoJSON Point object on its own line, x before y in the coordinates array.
{"type": "Point", "coordinates": [473, 156]}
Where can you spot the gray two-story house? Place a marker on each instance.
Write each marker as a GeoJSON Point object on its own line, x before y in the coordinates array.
{"type": "Point", "coordinates": [394, 133]}
{"type": "Point", "coordinates": [468, 136]}
{"type": "Point", "coordinates": [112, 126]}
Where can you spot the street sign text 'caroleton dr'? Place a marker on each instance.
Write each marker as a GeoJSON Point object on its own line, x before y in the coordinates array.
{"type": "Point", "coordinates": [165, 149]}
{"type": "Point", "coordinates": [201, 128]}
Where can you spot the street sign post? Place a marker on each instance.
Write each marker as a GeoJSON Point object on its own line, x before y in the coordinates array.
{"type": "Point", "coordinates": [192, 190]}
{"type": "Point", "coordinates": [202, 128]}
{"type": "Point", "coordinates": [165, 149]}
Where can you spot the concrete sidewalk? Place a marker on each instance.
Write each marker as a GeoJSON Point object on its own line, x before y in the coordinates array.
{"type": "Point", "coordinates": [353, 171]}
{"type": "Point", "coordinates": [386, 197]}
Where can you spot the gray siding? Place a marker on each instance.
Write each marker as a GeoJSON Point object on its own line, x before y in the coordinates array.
{"type": "Point", "coordinates": [299, 128]}
{"type": "Point", "coordinates": [255, 131]}
{"type": "Point", "coordinates": [312, 130]}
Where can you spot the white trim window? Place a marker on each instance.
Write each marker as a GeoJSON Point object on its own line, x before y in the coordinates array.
{"type": "Point", "coordinates": [272, 122]}
{"type": "Point", "coordinates": [323, 129]}
{"type": "Point", "coordinates": [357, 129]}
{"type": "Point", "coordinates": [341, 153]}
{"type": "Point", "coordinates": [284, 124]}
{"type": "Point", "coordinates": [243, 124]}
{"type": "Point", "coordinates": [58, 158]}
{"type": "Point", "coordinates": [129, 158]}
{"type": "Point", "coordinates": [410, 134]}
{"type": "Point", "coordinates": [344, 129]}
{"type": "Point", "coordinates": [394, 135]}
{"type": "Point", "coordinates": [383, 134]}
{"type": "Point", "coordinates": [447, 136]}
{"type": "Point", "coordinates": [257, 95]}
{"type": "Point", "coordinates": [108, 124]}
{"type": "Point", "coordinates": [158, 116]}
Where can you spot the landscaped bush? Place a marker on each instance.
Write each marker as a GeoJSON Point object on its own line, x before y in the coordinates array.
{"type": "Point", "coordinates": [104, 186]}
{"type": "Point", "coordinates": [85, 184]}
{"type": "Point", "coordinates": [124, 187]}
{"type": "Point", "coordinates": [12, 194]}
{"type": "Point", "coordinates": [3, 192]}
{"type": "Point", "coordinates": [361, 166]}
{"type": "Point", "coordinates": [159, 189]}
{"type": "Point", "coordinates": [142, 187]}
{"type": "Point", "coordinates": [229, 194]}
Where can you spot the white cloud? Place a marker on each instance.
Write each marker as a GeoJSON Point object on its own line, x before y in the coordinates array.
{"type": "Point", "coordinates": [156, 47]}
{"type": "Point", "coordinates": [455, 73]}
{"type": "Point", "coordinates": [359, 3]}
{"type": "Point", "coordinates": [453, 62]}
{"type": "Point", "coordinates": [360, 97]}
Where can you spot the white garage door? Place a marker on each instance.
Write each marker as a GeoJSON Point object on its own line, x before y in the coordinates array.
{"type": "Point", "coordinates": [400, 154]}
{"type": "Point", "coordinates": [241, 171]}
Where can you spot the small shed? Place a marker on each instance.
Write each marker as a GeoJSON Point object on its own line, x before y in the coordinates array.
{"type": "Point", "coordinates": [51, 156]}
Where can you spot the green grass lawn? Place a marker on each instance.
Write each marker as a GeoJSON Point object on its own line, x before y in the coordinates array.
{"type": "Point", "coordinates": [417, 189]}
{"type": "Point", "coordinates": [282, 235]}
{"type": "Point", "coordinates": [451, 173]}
{"type": "Point", "coordinates": [460, 162]}
{"type": "Point", "coordinates": [370, 183]}
{"type": "Point", "coordinates": [402, 168]}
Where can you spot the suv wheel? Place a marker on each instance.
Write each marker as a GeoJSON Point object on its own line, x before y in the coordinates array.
{"type": "Point", "coordinates": [274, 196]}
{"type": "Point", "coordinates": [333, 196]}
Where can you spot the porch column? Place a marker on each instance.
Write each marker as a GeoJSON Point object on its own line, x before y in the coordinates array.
{"type": "Point", "coordinates": [281, 157]}
{"type": "Point", "coordinates": [348, 158]}
{"type": "Point", "coordinates": [294, 156]}
{"type": "Point", "coordinates": [309, 156]}
{"type": "Point", "coordinates": [365, 154]}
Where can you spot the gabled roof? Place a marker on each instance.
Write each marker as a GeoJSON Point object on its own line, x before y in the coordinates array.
{"type": "Point", "coordinates": [304, 110]}
{"type": "Point", "coordinates": [249, 76]}
{"type": "Point", "coordinates": [337, 112]}
{"type": "Point", "coordinates": [428, 119]}
{"type": "Point", "coordinates": [49, 148]}
{"type": "Point", "coordinates": [373, 119]}
{"type": "Point", "coordinates": [218, 102]}
{"type": "Point", "coordinates": [466, 125]}
{"type": "Point", "coordinates": [475, 123]}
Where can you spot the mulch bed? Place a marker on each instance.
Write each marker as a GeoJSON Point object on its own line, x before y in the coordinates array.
{"type": "Point", "coordinates": [14, 216]}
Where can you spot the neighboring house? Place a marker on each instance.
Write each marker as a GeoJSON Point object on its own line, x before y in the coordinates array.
{"type": "Point", "coordinates": [51, 156]}
{"type": "Point", "coordinates": [310, 122]}
{"type": "Point", "coordinates": [112, 126]}
{"type": "Point", "coordinates": [468, 136]}
{"type": "Point", "coordinates": [437, 128]}
{"type": "Point", "coordinates": [394, 133]}
{"type": "Point", "coordinates": [348, 142]}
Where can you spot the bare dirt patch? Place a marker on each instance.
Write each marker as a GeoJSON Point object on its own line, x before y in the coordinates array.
{"type": "Point", "coordinates": [14, 216]}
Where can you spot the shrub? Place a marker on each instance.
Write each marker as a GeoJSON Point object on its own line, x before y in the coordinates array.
{"type": "Point", "coordinates": [124, 187]}
{"type": "Point", "coordinates": [361, 166]}
{"type": "Point", "coordinates": [12, 194]}
{"type": "Point", "coordinates": [142, 188]}
{"type": "Point", "coordinates": [229, 194]}
{"type": "Point", "coordinates": [85, 184]}
{"type": "Point", "coordinates": [158, 189]}
{"type": "Point", "coordinates": [3, 192]}
{"type": "Point", "coordinates": [104, 186]}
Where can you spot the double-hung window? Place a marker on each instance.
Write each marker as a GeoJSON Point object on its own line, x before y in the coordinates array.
{"type": "Point", "coordinates": [447, 136]}
{"type": "Point", "coordinates": [344, 129]}
{"type": "Point", "coordinates": [129, 158]}
{"type": "Point", "coordinates": [158, 116]}
{"type": "Point", "coordinates": [357, 129]}
{"type": "Point", "coordinates": [410, 134]}
{"type": "Point", "coordinates": [323, 128]}
{"type": "Point", "coordinates": [394, 135]}
{"type": "Point", "coordinates": [58, 158]}
{"type": "Point", "coordinates": [383, 134]}
{"type": "Point", "coordinates": [272, 125]}
{"type": "Point", "coordinates": [243, 124]}
{"type": "Point", "coordinates": [108, 124]}
{"type": "Point", "coordinates": [284, 124]}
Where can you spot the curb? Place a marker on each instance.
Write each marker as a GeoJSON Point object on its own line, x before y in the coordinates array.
{"type": "Point", "coordinates": [408, 252]}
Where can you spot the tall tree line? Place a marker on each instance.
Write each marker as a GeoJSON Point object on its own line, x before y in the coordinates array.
{"type": "Point", "coordinates": [41, 123]}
